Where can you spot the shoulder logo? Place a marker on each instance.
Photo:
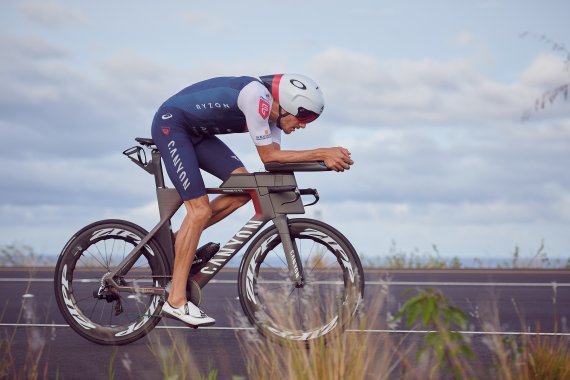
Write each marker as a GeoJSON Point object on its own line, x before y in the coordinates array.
{"type": "Point", "coordinates": [166, 130]}
{"type": "Point", "coordinates": [166, 116]}
{"type": "Point", "coordinates": [263, 108]}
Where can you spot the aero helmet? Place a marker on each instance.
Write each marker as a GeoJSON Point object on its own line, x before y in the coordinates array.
{"type": "Point", "coordinates": [297, 94]}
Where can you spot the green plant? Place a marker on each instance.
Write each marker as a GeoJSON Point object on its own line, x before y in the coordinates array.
{"type": "Point", "coordinates": [176, 360]}
{"type": "Point", "coordinates": [432, 310]}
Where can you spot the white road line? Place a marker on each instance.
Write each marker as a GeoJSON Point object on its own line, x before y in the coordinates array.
{"type": "Point", "coordinates": [369, 331]}
{"type": "Point", "coordinates": [368, 283]}
{"type": "Point", "coordinates": [491, 284]}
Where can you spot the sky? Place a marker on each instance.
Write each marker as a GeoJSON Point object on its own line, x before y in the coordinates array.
{"type": "Point", "coordinates": [429, 97]}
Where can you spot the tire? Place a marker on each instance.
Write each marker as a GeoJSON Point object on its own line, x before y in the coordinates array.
{"type": "Point", "coordinates": [85, 259]}
{"type": "Point", "coordinates": [324, 305]}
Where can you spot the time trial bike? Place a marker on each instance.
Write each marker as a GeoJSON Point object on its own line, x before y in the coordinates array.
{"type": "Point", "coordinates": [299, 279]}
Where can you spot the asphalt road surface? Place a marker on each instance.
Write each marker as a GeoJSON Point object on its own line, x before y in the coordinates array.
{"type": "Point", "coordinates": [522, 302]}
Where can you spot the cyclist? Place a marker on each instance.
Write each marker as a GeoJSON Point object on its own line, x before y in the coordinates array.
{"type": "Point", "coordinates": [184, 129]}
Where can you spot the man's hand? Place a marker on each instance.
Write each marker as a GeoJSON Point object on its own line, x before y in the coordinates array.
{"type": "Point", "coordinates": [337, 159]}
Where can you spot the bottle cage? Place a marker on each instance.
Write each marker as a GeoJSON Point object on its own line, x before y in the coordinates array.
{"type": "Point", "coordinates": [138, 156]}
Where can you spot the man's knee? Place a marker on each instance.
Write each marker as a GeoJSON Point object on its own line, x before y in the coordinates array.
{"type": "Point", "coordinates": [241, 200]}
{"type": "Point", "coordinates": [199, 209]}
{"type": "Point", "coordinates": [240, 170]}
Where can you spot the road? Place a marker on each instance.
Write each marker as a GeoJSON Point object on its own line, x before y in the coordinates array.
{"type": "Point", "coordinates": [523, 301]}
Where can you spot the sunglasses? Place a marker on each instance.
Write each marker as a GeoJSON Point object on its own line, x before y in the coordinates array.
{"type": "Point", "coordinates": [306, 116]}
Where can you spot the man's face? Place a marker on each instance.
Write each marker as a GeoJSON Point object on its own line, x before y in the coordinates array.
{"type": "Point", "coordinates": [290, 123]}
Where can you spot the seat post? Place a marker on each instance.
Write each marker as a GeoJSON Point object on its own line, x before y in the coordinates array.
{"type": "Point", "coordinates": [157, 168]}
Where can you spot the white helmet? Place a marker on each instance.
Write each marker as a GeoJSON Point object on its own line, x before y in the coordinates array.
{"type": "Point", "coordinates": [297, 94]}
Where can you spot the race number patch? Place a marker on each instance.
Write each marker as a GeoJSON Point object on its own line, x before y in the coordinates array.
{"type": "Point", "coordinates": [263, 108]}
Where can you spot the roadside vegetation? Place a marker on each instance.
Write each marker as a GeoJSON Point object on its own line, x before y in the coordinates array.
{"type": "Point", "coordinates": [438, 351]}
{"type": "Point", "coordinates": [441, 351]}
{"type": "Point", "coordinates": [396, 258]}
{"type": "Point", "coordinates": [21, 255]}
{"type": "Point", "coordinates": [33, 365]}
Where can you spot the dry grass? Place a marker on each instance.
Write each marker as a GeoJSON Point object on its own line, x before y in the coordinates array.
{"type": "Point", "coordinates": [352, 355]}
{"type": "Point", "coordinates": [34, 366]}
{"type": "Point", "coordinates": [443, 354]}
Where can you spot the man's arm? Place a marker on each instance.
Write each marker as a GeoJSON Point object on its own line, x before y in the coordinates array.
{"type": "Point", "coordinates": [337, 158]}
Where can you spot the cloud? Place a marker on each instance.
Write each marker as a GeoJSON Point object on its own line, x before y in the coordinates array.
{"type": "Point", "coordinates": [465, 38]}
{"type": "Point", "coordinates": [545, 72]}
{"type": "Point", "coordinates": [364, 90]}
{"type": "Point", "coordinates": [52, 15]}
{"type": "Point", "coordinates": [206, 22]}
{"type": "Point", "coordinates": [436, 142]}
{"type": "Point", "coordinates": [49, 107]}
{"type": "Point", "coordinates": [441, 142]}
{"type": "Point", "coordinates": [420, 165]}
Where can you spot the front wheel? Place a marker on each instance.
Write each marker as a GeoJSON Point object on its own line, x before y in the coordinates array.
{"type": "Point", "coordinates": [98, 313]}
{"type": "Point", "coordinates": [329, 297]}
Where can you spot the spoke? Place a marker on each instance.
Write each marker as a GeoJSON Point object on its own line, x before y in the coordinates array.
{"type": "Point", "coordinates": [126, 309]}
{"type": "Point", "coordinates": [100, 254]}
{"type": "Point", "coordinates": [124, 250]}
{"type": "Point", "coordinates": [83, 299]}
{"type": "Point", "coordinates": [93, 309]}
{"type": "Point", "coordinates": [106, 256]}
{"type": "Point", "coordinates": [299, 309]}
{"type": "Point", "coordinates": [95, 258]}
{"type": "Point", "coordinates": [280, 258]}
{"type": "Point", "coordinates": [277, 287]}
{"type": "Point", "coordinates": [292, 291]}
{"type": "Point", "coordinates": [320, 259]}
{"type": "Point", "coordinates": [82, 261]}
{"type": "Point", "coordinates": [269, 266]}
{"type": "Point", "coordinates": [103, 310]}
{"type": "Point", "coordinates": [308, 262]}
{"type": "Point", "coordinates": [112, 250]}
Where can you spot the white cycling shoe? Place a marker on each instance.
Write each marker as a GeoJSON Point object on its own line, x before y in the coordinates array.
{"type": "Point", "coordinates": [189, 314]}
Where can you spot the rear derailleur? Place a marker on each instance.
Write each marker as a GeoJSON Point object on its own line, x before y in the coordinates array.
{"type": "Point", "coordinates": [107, 293]}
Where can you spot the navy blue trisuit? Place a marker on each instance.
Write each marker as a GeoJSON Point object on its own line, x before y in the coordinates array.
{"type": "Point", "coordinates": [185, 127]}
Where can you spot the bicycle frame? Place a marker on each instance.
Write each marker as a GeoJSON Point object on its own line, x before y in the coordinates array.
{"type": "Point", "coordinates": [274, 195]}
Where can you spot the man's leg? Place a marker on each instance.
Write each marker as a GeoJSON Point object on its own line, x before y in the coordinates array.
{"type": "Point", "coordinates": [224, 205]}
{"type": "Point", "coordinates": [217, 158]}
{"type": "Point", "coordinates": [198, 213]}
